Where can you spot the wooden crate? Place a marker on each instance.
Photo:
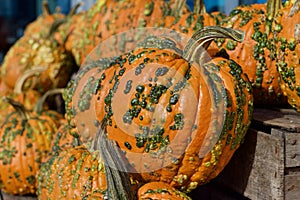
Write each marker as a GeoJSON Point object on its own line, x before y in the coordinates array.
{"type": "Point", "coordinates": [267, 165]}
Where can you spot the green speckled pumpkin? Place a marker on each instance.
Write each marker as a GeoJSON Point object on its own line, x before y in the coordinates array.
{"type": "Point", "coordinates": [156, 104]}
{"type": "Point", "coordinates": [257, 53]}
{"type": "Point", "coordinates": [288, 48]}
{"type": "Point", "coordinates": [75, 173]}
{"type": "Point", "coordinates": [25, 141]}
{"type": "Point", "coordinates": [160, 191]}
{"type": "Point", "coordinates": [38, 49]}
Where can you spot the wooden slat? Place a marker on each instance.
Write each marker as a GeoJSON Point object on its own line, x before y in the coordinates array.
{"type": "Point", "coordinates": [12, 197]}
{"type": "Point", "coordinates": [257, 168]}
{"type": "Point", "coordinates": [286, 119]}
{"type": "Point", "coordinates": [292, 150]}
{"type": "Point", "coordinates": [292, 186]}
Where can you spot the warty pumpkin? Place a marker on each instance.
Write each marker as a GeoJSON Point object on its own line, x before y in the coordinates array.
{"type": "Point", "coordinates": [155, 104]}
{"type": "Point", "coordinates": [107, 18]}
{"type": "Point", "coordinates": [38, 48]}
{"type": "Point", "coordinates": [257, 53]}
{"type": "Point", "coordinates": [25, 139]}
{"type": "Point", "coordinates": [28, 99]}
{"type": "Point", "coordinates": [160, 191]}
{"type": "Point", "coordinates": [87, 173]}
{"type": "Point", "coordinates": [72, 174]}
{"type": "Point", "coordinates": [287, 26]}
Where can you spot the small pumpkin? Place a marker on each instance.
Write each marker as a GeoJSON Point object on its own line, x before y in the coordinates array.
{"type": "Point", "coordinates": [287, 27]}
{"type": "Point", "coordinates": [74, 173]}
{"type": "Point", "coordinates": [38, 48]}
{"type": "Point", "coordinates": [24, 144]}
{"type": "Point", "coordinates": [160, 191]}
{"type": "Point", "coordinates": [78, 172]}
{"type": "Point", "coordinates": [28, 98]}
{"type": "Point", "coordinates": [137, 83]}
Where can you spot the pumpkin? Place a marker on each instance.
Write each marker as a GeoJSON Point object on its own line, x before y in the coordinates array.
{"type": "Point", "coordinates": [28, 98]}
{"type": "Point", "coordinates": [74, 173]}
{"type": "Point", "coordinates": [257, 53]}
{"type": "Point", "coordinates": [143, 98]}
{"type": "Point", "coordinates": [78, 172]}
{"type": "Point", "coordinates": [160, 191]}
{"type": "Point", "coordinates": [287, 27]}
{"type": "Point", "coordinates": [64, 138]}
{"type": "Point", "coordinates": [38, 48]}
{"type": "Point", "coordinates": [44, 22]}
{"type": "Point", "coordinates": [190, 22]}
{"type": "Point", "coordinates": [107, 18]}
{"type": "Point", "coordinates": [25, 142]}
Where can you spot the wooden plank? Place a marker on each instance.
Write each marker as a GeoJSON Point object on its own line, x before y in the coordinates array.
{"type": "Point", "coordinates": [292, 186]}
{"type": "Point", "coordinates": [12, 197]}
{"type": "Point", "coordinates": [292, 150]}
{"type": "Point", "coordinates": [286, 119]}
{"type": "Point", "coordinates": [257, 168]}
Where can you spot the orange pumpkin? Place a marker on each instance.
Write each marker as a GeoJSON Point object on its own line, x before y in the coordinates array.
{"type": "Point", "coordinates": [160, 191]}
{"type": "Point", "coordinates": [74, 173]}
{"type": "Point", "coordinates": [155, 104]}
{"type": "Point", "coordinates": [25, 142]}
{"type": "Point", "coordinates": [256, 54]}
{"type": "Point", "coordinates": [287, 27]}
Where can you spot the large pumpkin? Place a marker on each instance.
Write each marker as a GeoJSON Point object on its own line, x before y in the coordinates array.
{"type": "Point", "coordinates": [165, 111]}
{"type": "Point", "coordinates": [288, 48]}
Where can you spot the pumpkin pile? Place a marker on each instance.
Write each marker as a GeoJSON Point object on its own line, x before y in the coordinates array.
{"type": "Point", "coordinates": [140, 99]}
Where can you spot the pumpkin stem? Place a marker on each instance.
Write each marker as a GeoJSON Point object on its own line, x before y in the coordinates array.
{"type": "Point", "coordinates": [28, 73]}
{"type": "Point", "coordinates": [118, 180]}
{"type": "Point", "coordinates": [199, 7]}
{"type": "Point", "coordinates": [273, 6]}
{"type": "Point", "coordinates": [178, 8]}
{"type": "Point", "coordinates": [57, 23]}
{"type": "Point", "coordinates": [39, 106]}
{"type": "Point", "coordinates": [21, 110]}
{"type": "Point", "coordinates": [74, 9]}
{"type": "Point", "coordinates": [295, 8]}
{"type": "Point", "coordinates": [45, 8]}
{"type": "Point", "coordinates": [202, 38]}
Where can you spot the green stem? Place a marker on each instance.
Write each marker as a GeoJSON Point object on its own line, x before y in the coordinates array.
{"type": "Point", "coordinates": [201, 39]}
{"type": "Point", "coordinates": [39, 106]}
{"type": "Point", "coordinates": [20, 109]}
{"type": "Point", "coordinates": [45, 8]}
{"type": "Point", "coordinates": [28, 73]}
{"type": "Point", "coordinates": [296, 7]}
{"type": "Point", "coordinates": [199, 7]}
{"type": "Point", "coordinates": [117, 177]}
{"type": "Point", "coordinates": [178, 8]}
{"type": "Point", "coordinates": [273, 6]}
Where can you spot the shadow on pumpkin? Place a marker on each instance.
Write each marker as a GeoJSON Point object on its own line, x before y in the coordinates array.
{"type": "Point", "coordinates": [232, 181]}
